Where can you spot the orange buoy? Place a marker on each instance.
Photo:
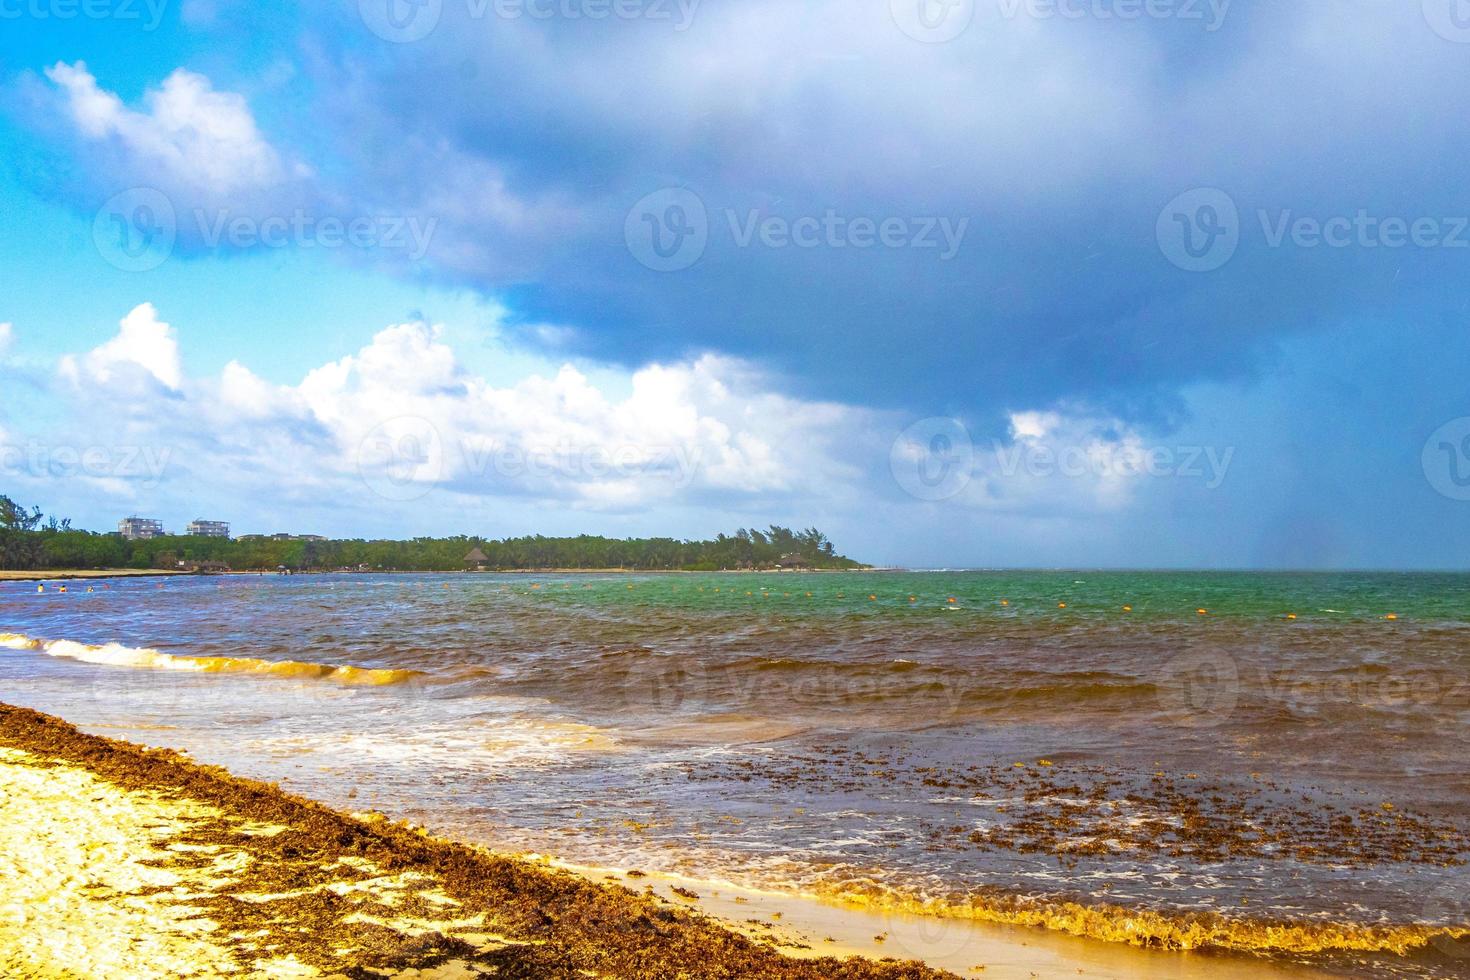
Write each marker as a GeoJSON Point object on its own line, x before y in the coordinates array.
{"type": "Point", "coordinates": [953, 599]}
{"type": "Point", "coordinates": [872, 598]}
{"type": "Point", "coordinates": [1291, 615]}
{"type": "Point", "coordinates": [1061, 605]}
{"type": "Point", "coordinates": [1005, 602]}
{"type": "Point", "coordinates": [913, 598]}
{"type": "Point", "coordinates": [1202, 612]}
{"type": "Point", "coordinates": [1127, 608]}
{"type": "Point", "coordinates": [1392, 616]}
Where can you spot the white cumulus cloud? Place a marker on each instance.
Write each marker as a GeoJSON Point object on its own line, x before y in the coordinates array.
{"type": "Point", "coordinates": [402, 417]}
{"type": "Point", "coordinates": [187, 131]}
{"type": "Point", "coordinates": [144, 344]}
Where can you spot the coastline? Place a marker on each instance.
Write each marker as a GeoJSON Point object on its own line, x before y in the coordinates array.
{"type": "Point", "coordinates": [121, 860]}
{"type": "Point", "coordinates": [58, 574]}
{"type": "Point", "coordinates": [226, 872]}
{"type": "Point", "coordinates": [806, 926]}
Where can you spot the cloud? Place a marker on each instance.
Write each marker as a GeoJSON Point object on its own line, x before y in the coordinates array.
{"type": "Point", "coordinates": [188, 133]}
{"type": "Point", "coordinates": [145, 346]}
{"type": "Point", "coordinates": [401, 437]}
{"type": "Point", "coordinates": [186, 170]}
{"type": "Point", "coordinates": [1060, 464]}
{"type": "Point", "coordinates": [381, 429]}
{"type": "Point", "coordinates": [402, 417]}
{"type": "Point", "coordinates": [1034, 425]}
{"type": "Point", "coordinates": [7, 337]}
{"type": "Point", "coordinates": [1061, 140]}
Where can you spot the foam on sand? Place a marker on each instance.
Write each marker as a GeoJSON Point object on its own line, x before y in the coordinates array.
{"type": "Point", "coordinates": [118, 655]}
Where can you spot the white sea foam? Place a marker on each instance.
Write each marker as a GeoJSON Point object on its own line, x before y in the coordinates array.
{"type": "Point", "coordinates": [119, 655]}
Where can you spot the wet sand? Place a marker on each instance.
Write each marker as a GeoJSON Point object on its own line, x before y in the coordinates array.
{"type": "Point", "coordinates": [60, 575]}
{"type": "Point", "coordinates": [810, 926]}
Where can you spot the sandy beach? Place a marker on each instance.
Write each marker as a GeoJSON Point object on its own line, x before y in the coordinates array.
{"type": "Point", "coordinates": [119, 861]}
{"type": "Point", "coordinates": [58, 575]}
{"type": "Point", "coordinates": [123, 861]}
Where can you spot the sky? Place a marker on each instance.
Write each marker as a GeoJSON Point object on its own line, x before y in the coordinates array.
{"type": "Point", "coordinates": [963, 283]}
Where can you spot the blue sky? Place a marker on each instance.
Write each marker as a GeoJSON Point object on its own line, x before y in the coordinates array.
{"type": "Point", "coordinates": [982, 282]}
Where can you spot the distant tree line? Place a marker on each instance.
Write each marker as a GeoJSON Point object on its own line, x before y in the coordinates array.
{"type": "Point", "coordinates": [29, 541]}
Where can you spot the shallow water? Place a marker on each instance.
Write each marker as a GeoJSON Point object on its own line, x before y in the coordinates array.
{"type": "Point", "coordinates": [1227, 752]}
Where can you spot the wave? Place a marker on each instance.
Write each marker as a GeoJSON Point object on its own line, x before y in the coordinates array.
{"type": "Point", "coordinates": [118, 655]}
{"type": "Point", "coordinates": [1180, 930]}
{"type": "Point", "coordinates": [1150, 927]}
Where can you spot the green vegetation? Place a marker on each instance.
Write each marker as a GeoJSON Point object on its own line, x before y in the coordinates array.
{"type": "Point", "coordinates": [22, 535]}
{"type": "Point", "coordinates": [26, 543]}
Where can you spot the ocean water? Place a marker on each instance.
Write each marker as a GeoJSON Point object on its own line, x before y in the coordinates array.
{"type": "Point", "coordinates": [1273, 765]}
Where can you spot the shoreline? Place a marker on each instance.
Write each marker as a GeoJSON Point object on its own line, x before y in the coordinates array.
{"type": "Point", "coordinates": [248, 859]}
{"type": "Point", "coordinates": [120, 860]}
{"type": "Point", "coordinates": [66, 574]}
{"type": "Point", "coordinates": [806, 926]}
{"type": "Point", "coordinates": [69, 574]}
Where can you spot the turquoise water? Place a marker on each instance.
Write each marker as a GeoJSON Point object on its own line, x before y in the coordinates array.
{"type": "Point", "coordinates": [975, 739]}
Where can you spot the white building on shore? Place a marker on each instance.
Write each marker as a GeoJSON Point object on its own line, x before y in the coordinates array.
{"type": "Point", "coordinates": [140, 528]}
{"type": "Point", "coordinates": [208, 529]}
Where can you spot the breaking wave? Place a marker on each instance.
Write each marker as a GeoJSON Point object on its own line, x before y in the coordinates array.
{"type": "Point", "coordinates": [118, 655]}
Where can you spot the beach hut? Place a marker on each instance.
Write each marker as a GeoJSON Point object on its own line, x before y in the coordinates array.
{"type": "Point", "coordinates": [476, 560]}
